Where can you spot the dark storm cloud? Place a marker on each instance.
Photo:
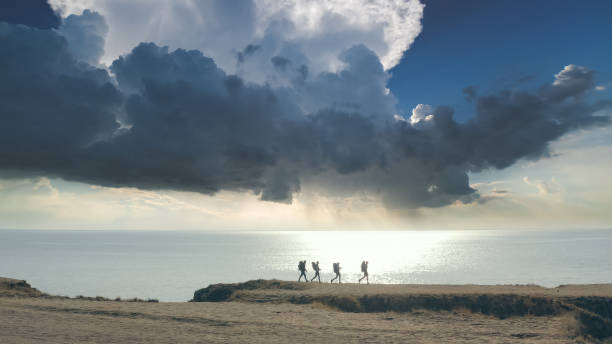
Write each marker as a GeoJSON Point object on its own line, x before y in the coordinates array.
{"type": "Point", "coordinates": [34, 13]}
{"type": "Point", "coordinates": [347, 140]}
{"type": "Point", "coordinates": [192, 126]}
{"type": "Point", "coordinates": [361, 86]}
{"type": "Point", "coordinates": [174, 120]}
{"type": "Point", "coordinates": [51, 107]}
{"type": "Point", "coordinates": [85, 35]}
{"type": "Point", "coordinates": [508, 126]}
{"type": "Point", "coordinates": [151, 64]}
{"type": "Point", "coordinates": [195, 128]}
{"type": "Point", "coordinates": [249, 50]}
{"type": "Point", "coordinates": [280, 62]}
{"type": "Point", "coordinates": [572, 81]}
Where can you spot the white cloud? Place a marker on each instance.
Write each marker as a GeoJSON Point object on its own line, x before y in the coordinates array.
{"type": "Point", "coordinates": [394, 23]}
{"type": "Point", "coordinates": [487, 184]}
{"type": "Point", "coordinates": [152, 199]}
{"type": "Point", "coordinates": [544, 187]}
{"type": "Point", "coordinates": [422, 114]}
{"type": "Point", "coordinates": [45, 183]}
{"type": "Point", "coordinates": [318, 30]}
{"type": "Point", "coordinates": [571, 73]}
{"type": "Point", "coordinates": [399, 118]}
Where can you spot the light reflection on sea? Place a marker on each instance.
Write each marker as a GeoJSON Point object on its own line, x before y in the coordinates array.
{"type": "Point", "coordinates": [171, 265]}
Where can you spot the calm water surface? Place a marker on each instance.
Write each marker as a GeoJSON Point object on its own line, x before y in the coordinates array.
{"type": "Point", "coordinates": [171, 265]}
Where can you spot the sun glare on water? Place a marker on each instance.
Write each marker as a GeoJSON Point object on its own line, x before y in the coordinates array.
{"type": "Point", "coordinates": [390, 253]}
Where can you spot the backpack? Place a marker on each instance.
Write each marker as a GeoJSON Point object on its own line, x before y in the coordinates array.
{"type": "Point", "coordinates": [363, 267]}
{"type": "Point", "coordinates": [336, 267]}
{"type": "Point", "coordinates": [300, 265]}
{"type": "Point", "coordinates": [314, 266]}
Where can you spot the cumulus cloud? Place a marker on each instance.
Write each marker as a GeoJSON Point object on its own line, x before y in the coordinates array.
{"type": "Point", "coordinates": [176, 119]}
{"type": "Point", "coordinates": [317, 30]}
{"type": "Point", "coordinates": [51, 107]}
{"type": "Point", "coordinates": [387, 27]}
{"type": "Point", "coordinates": [359, 87]}
{"type": "Point", "coordinates": [34, 13]}
{"type": "Point", "coordinates": [246, 52]}
{"type": "Point", "coordinates": [572, 81]}
{"type": "Point", "coordinates": [422, 114]}
{"type": "Point", "coordinates": [85, 34]}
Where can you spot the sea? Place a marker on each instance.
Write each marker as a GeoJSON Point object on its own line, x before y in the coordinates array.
{"type": "Point", "coordinates": [171, 265]}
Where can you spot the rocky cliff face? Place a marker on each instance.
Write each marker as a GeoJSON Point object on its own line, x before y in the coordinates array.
{"type": "Point", "coordinates": [226, 291]}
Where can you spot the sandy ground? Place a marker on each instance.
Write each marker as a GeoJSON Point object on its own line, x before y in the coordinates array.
{"type": "Point", "coordinates": [26, 319]}
{"type": "Point", "coordinates": [32, 320]}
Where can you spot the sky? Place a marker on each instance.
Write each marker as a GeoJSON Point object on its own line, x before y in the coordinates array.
{"type": "Point", "coordinates": [295, 115]}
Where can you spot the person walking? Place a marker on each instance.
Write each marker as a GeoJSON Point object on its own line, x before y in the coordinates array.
{"type": "Point", "coordinates": [364, 269]}
{"type": "Point", "coordinates": [315, 268]}
{"type": "Point", "coordinates": [302, 268]}
{"type": "Point", "coordinates": [337, 272]}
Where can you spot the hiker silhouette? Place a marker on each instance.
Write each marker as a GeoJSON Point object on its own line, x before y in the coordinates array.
{"type": "Point", "coordinates": [364, 269]}
{"type": "Point", "coordinates": [315, 268]}
{"type": "Point", "coordinates": [302, 268]}
{"type": "Point", "coordinates": [337, 272]}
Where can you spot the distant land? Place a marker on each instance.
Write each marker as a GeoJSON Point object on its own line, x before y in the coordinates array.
{"type": "Point", "coordinates": [265, 311]}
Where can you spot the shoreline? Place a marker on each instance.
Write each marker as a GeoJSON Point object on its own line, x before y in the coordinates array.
{"type": "Point", "coordinates": [254, 310]}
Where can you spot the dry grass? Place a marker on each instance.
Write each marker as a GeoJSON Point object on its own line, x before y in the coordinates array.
{"type": "Point", "coordinates": [15, 288]}
{"type": "Point", "coordinates": [276, 311]}
{"type": "Point", "coordinates": [501, 306]}
{"type": "Point", "coordinates": [41, 320]}
{"type": "Point", "coordinates": [117, 299]}
{"type": "Point", "coordinates": [592, 314]}
{"type": "Point", "coordinates": [223, 292]}
{"type": "Point", "coordinates": [19, 288]}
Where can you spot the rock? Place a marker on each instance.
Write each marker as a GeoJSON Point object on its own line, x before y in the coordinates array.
{"type": "Point", "coordinates": [14, 287]}
{"type": "Point", "coordinates": [214, 293]}
{"type": "Point", "coordinates": [223, 292]}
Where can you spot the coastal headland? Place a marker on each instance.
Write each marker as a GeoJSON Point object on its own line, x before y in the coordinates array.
{"type": "Point", "coordinates": [269, 311]}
